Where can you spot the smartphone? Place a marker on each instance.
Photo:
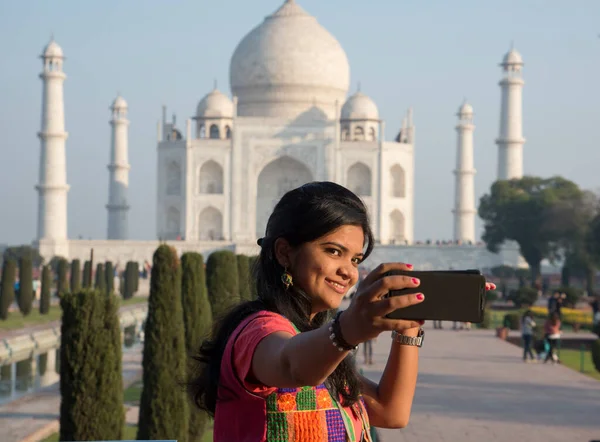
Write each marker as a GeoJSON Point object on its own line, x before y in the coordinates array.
{"type": "Point", "coordinates": [450, 295]}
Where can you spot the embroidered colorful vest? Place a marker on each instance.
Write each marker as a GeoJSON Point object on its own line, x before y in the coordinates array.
{"type": "Point", "coordinates": [311, 414]}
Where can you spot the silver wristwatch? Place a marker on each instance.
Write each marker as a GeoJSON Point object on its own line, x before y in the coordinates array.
{"type": "Point", "coordinates": [416, 341]}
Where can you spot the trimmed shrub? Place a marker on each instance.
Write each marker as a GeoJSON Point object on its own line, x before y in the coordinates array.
{"type": "Point", "coordinates": [252, 260]}
{"type": "Point", "coordinates": [512, 321]}
{"type": "Point", "coordinates": [523, 296]}
{"type": "Point", "coordinates": [136, 276]}
{"type": "Point", "coordinates": [100, 278]}
{"type": "Point", "coordinates": [7, 290]}
{"type": "Point", "coordinates": [75, 282]}
{"type": "Point", "coordinates": [87, 275]}
{"type": "Point", "coordinates": [243, 265]}
{"type": "Point", "coordinates": [62, 283]}
{"type": "Point", "coordinates": [164, 412]}
{"type": "Point", "coordinates": [487, 319]}
{"type": "Point", "coordinates": [197, 318]}
{"type": "Point", "coordinates": [91, 381]}
{"type": "Point", "coordinates": [222, 282]}
{"type": "Point", "coordinates": [596, 353]}
{"type": "Point", "coordinates": [491, 296]}
{"type": "Point", "coordinates": [130, 280]}
{"type": "Point", "coordinates": [45, 294]}
{"type": "Point", "coordinates": [25, 295]}
{"type": "Point", "coordinates": [109, 274]}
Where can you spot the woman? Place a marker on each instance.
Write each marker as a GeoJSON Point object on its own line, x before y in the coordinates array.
{"type": "Point", "coordinates": [527, 325]}
{"type": "Point", "coordinates": [552, 334]}
{"type": "Point", "coordinates": [278, 368]}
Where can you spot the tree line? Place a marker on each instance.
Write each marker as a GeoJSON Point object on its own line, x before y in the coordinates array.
{"type": "Point", "coordinates": [185, 296]}
{"type": "Point", "coordinates": [59, 275]}
{"type": "Point", "coordinates": [549, 218]}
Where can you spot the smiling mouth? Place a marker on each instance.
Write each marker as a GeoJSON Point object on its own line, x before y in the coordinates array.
{"type": "Point", "coordinates": [340, 288]}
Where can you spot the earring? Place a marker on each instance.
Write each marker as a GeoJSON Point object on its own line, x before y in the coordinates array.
{"type": "Point", "coordinates": [286, 278]}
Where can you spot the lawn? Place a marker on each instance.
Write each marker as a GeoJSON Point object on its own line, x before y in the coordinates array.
{"type": "Point", "coordinates": [572, 359]}
{"type": "Point", "coordinates": [16, 320]}
{"type": "Point", "coordinates": [131, 396]}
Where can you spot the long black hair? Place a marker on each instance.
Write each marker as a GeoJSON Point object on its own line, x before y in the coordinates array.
{"type": "Point", "coordinates": [302, 215]}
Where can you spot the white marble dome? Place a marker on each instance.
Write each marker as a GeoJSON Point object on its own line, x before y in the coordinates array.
{"type": "Point", "coordinates": [216, 105]}
{"type": "Point", "coordinates": [53, 50]}
{"type": "Point", "coordinates": [119, 103]}
{"type": "Point", "coordinates": [360, 107]}
{"type": "Point", "coordinates": [288, 64]}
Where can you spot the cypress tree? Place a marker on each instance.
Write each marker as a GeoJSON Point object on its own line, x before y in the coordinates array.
{"type": "Point", "coordinates": [62, 283]}
{"type": "Point", "coordinates": [25, 298]}
{"type": "Point", "coordinates": [7, 293]}
{"type": "Point", "coordinates": [75, 282]}
{"type": "Point", "coordinates": [222, 282]}
{"type": "Point", "coordinates": [100, 278]}
{"type": "Point", "coordinates": [129, 280]}
{"type": "Point", "coordinates": [197, 319]}
{"type": "Point", "coordinates": [91, 383]}
{"type": "Point", "coordinates": [109, 272]}
{"type": "Point", "coordinates": [136, 276]}
{"type": "Point", "coordinates": [164, 410]}
{"type": "Point", "coordinates": [46, 289]}
{"type": "Point", "coordinates": [243, 266]}
{"type": "Point", "coordinates": [87, 275]}
{"type": "Point", "coordinates": [252, 264]}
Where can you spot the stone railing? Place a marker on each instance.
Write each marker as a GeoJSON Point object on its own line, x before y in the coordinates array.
{"type": "Point", "coordinates": [21, 347]}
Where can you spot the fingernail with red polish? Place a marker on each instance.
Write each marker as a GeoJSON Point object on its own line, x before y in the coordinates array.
{"type": "Point", "coordinates": [415, 281]}
{"type": "Point", "coordinates": [420, 296]}
{"type": "Point", "coordinates": [421, 322]}
{"type": "Point", "coordinates": [409, 266]}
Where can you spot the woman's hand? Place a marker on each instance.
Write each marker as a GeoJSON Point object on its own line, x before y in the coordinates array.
{"type": "Point", "coordinates": [365, 317]}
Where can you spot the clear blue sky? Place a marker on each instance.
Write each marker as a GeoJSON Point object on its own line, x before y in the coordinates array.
{"type": "Point", "coordinates": [428, 55]}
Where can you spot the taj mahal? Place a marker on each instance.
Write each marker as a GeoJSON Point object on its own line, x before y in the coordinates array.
{"type": "Point", "coordinates": [290, 120]}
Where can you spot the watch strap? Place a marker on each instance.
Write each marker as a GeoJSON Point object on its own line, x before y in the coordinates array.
{"type": "Point", "coordinates": [416, 341]}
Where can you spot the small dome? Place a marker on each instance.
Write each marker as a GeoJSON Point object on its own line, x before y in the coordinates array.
{"type": "Point", "coordinates": [465, 109]}
{"type": "Point", "coordinates": [215, 104]}
{"type": "Point", "coordinates": [53, 50]}
{"type": "Point", "coordinates": [512, 57]}
{"type": "Point", "coordinates": [119, 103]}
{"type": "Point", "coordinates": [360, 107]}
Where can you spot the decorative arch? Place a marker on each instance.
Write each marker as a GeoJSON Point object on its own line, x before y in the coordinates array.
{"type": "Point", "coordinates": [358, 179]}
{"type": "Point", "coordinates": [210, 225]}
{"type": "Point", "coordinates": [202, 131]}
{"type": "Point", "coordinates": [173, 222]}
{"type": "Point", "coordinates": [227, 132]}
{"type": "Point", "coordinates": [398, 182]}
{"type": "Point", "coordinates": [210, 178]}
{"type": "Point", "coordinates": [373, 134]}
{"type": "Point", "coordinates": [397, 227]}
{"type": "Point", "coordinates": [276, 178]}
{"type": "Point", "coordinates": [215, 133]}
{"type": "Point", "coordinates": [359, 133]}
{"type": "Point", "coordinates": [173, 179]}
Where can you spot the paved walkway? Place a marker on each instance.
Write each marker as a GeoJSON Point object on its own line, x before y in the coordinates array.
{"type": "Point", "coordinates": [35, 416]}
{"type": "Point", "coordinates": [474, 387]}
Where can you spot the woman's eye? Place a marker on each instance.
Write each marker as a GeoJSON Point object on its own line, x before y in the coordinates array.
{"type": "Point", "coordinates": [334, 252]}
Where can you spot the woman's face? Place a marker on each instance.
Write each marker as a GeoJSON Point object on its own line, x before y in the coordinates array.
{"type": "Point", "coordinates": [327, 268]}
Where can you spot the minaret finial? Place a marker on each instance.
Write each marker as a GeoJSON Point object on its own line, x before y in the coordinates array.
{"type": "Point", "coordinates": [358, 87]}
{"type": "Point", "coordinates": [215, 84]}
{"type": "Point", "coordinates": [512, 45]}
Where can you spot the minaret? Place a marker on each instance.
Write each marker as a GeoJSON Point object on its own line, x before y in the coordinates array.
{"type": "Point", "coordinates": [119, 172]}
{"type": "Point", "coordinates": [52, 187]}
{"type": "Point", "coordinates": [510, 141]}
{"type": "Point", "coordinates": [464, 197]}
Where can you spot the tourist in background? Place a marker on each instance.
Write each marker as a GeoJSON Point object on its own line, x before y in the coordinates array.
{"type": "Point", "coordinates": [527, 326]}
{"type": "Point", "coordinates": [552, 335]}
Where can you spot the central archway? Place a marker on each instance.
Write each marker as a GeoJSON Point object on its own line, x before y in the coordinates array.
{"type": "Point", "coordinates": [277, 178]}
